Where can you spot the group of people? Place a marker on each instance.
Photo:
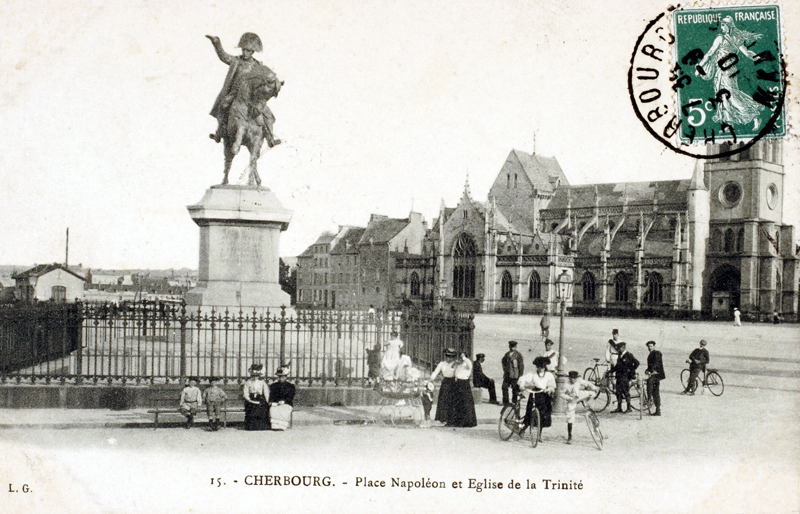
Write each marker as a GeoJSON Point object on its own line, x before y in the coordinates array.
{"type": "Point", "coordinates": [266, 407]}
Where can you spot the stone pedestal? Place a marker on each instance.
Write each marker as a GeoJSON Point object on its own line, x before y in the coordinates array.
{"type": "Point", "coordinates": [240, 230]}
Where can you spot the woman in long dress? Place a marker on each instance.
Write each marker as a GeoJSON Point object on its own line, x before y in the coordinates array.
{"type": "Point", "coordinates": [281, 400]}
{"type": "Point", "coordinates": [255, 393]}
{"type": "Point", "coordinates": [719, 65]}
{"type": "Point", "coordinates": [455, 406]}
{"type": "Point", "coordinates": [541, 384]}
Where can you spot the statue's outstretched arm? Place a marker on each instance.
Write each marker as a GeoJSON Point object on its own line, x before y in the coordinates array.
{"type": "Point", "coordinates": [223, 56]}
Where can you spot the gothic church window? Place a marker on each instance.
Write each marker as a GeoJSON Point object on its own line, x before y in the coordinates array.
{"type": "Point", "coordinates": [654, 295]}
{"type": "Point", "coordinates": [414, 284]}
{"type": "Point", "coordinates": [465, 257]}
{"type": "Point", "coordinates": [740, 241]}
{"type": "Point", "coordinates": [506, 286]}
{"type": "Point", "coordinates": [588, 287]}
{"type": "Point", "coordinates": [716, 241]}
{"type": "Point", "coordinates": [730, 242]}
{"type": "Point", "coordinates": [620, 288]}
{"type": "Point", "coordinates": [534, 287]}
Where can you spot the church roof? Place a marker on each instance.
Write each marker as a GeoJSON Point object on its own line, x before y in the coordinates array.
{"type": "Point", "coordinates": [614, 194]}
{"type": "Point", "coordinates": [543, 172]}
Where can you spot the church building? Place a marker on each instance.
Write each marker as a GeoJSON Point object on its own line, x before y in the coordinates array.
{"type": "Point", "coordinates": [707, 243]}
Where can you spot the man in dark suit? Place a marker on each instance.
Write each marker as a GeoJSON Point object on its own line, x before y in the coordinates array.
{"type": "Point", "coordinates": [480, 380]}
{"type": "Point", "coordinates": [513, 367]}
{"type": "Point", "coordinates": [698, 360]}
{"type": "Point", "coordinates": [625, 371]}
{"type": "Point", "coordinates": [655, 374]}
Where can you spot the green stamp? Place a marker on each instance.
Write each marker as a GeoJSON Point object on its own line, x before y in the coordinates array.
{"type": "Point", "coordinates": [728, 73]}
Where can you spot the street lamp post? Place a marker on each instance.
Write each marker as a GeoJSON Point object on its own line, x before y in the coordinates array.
{"type": "Point", "coordinates": [563, 293]}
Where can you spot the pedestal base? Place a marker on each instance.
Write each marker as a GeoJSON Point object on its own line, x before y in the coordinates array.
{"type": "Point", "coordinates": [240, 230]}
{"type": "Point", "coordinates": [237, 295]}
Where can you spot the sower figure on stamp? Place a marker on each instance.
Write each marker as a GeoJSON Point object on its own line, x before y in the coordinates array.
{"type": "Point", "coordinates": [625, 371]}
{"type": "Point", "coordinates": [513, 367]}
{"type": "Point", "coordinates": [655, 374]}
{"type": "Point", "coordinates": [243, 117]}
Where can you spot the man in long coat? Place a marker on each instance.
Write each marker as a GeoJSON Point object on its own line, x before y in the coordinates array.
{"type": "Point", "coordinates": [655, 374]}
{"type": "Point", "coordinates": [625, 370]}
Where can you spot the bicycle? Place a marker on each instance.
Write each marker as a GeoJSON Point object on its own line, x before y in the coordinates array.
{"type": "Point", "coordinates": [711, 380]}
{"type": "Point", "coordinates": [646, 402]}
{"type": "Point", "coordinates": [512, 421]}
{"type": "Point", "coordinates": [606, 393]}
{"type": "Point", "coordinates": [594, 373]}
{"type": "Point", "coordinates": [594, 426]}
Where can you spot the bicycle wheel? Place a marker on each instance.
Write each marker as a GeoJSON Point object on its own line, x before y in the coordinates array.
{"type": "Point", "coordinates": [406, 416]}
{"type": "Point", "coordinates": [590, 375]}
{"type": "Point", "coordinates": [714, 383]}
{"type": "Point", "coordinates": [650, 404]}
{"type": "Point", "coordinates": [536, 427]}
{"type": "Point", "coordinates": [385, 414]}
{"type": "Point", "coordinates": [685, 379]}
{"type": "Point", "coordinates": [599, 401]}
{"type": "Point", "coordinates": [507, 424]}
{"type": "Point", "coordinates": [635, 391]}
{"type": "Point", "coordinates": [594, 428]}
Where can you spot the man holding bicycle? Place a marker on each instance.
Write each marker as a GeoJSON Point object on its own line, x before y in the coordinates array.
{"type": "Point", "coordinates": [698, 360]}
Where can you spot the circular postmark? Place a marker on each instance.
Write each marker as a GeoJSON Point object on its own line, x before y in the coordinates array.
{"type": "Point", "coordinates": [710, 82]}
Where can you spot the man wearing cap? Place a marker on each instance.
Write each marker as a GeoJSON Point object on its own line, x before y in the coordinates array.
{"type": "Point", "coordinates": [625, 371]}
{"type": "Point", "coordinates": [698, 360]}
{"type": "Point", "coordinates": [480, 380]}
{"type": "Point", "coordinates": [655, 374]}
{"type": "Point", "coordinates": [513, 367]}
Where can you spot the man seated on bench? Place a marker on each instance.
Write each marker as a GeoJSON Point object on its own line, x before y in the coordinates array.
{"type": "Point", "coordinates": [281, 400]}
{"type": "Point", "coordinates": [215, 398]}
{"type": "Point", "coordinates": [191, 401]}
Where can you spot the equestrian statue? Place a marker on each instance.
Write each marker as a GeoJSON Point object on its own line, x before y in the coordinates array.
{"type": "Point", "coordinates": [243, 117]}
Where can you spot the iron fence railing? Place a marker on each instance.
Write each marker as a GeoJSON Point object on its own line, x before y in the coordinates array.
{"type": "Point", "coordinates": [160, 342]}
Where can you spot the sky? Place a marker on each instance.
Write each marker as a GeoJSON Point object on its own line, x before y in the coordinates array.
{"type": "Point", "coordinates": [387, 106]}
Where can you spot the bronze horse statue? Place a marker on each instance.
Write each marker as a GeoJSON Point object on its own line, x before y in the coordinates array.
{"type": "Point", "coordinates": [249, 124]}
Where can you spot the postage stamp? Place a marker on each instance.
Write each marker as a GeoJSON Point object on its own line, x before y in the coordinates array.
{"type": "Point", "coordinates": [709, 75]}
{"type": "Point", "coordinates": [728, 73]}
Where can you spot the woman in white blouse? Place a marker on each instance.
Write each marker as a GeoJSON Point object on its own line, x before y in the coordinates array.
{"type": "Point", "coordinates": [541, 384]}
{"type": "Point", "coordinates": [455, 406]}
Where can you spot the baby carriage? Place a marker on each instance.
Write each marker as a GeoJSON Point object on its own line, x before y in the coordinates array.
{"type": "Point", "coordinates": [401, 398]}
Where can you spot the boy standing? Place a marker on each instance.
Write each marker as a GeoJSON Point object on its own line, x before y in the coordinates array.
{"type": "Point", "coordinates": [575, 393]}
{"type": "Point", "coordinates": [191, 400]}
{"type": "Point", "coordinates": [215, 398]}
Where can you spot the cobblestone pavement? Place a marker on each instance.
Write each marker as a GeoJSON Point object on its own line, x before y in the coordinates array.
{"type": "Point", "coordinates": [739, 452]}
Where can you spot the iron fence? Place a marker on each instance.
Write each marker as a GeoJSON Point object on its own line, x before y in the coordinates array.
{"type": "Point", "coordinates": [159, 342]}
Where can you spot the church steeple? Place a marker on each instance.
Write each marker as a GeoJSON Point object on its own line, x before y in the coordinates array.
{"type": "Point", "coordinates": [698, 177]}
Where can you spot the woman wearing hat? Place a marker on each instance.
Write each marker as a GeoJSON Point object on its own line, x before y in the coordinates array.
{"type": "Point", "coordinates": [255, 393]}
{"type": "Point", "coordinates": [455, 406]}
{"type": "Point", "coordinates": [541, 384]}
{"type": "Point", "coordinates": [281, 400]}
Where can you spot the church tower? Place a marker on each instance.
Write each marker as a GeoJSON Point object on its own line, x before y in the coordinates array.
{"type": "Point", "coordinates": [750, 253]}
